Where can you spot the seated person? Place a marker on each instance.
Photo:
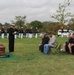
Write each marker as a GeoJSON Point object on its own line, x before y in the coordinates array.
{"type": "Point", "coordinates": [45, 40]}
{"type": "Point", "coordinates": [71, 43]}
{"type": "Point", "coordinates": [65, 45]}
{"type": "Point", "coordinates": [51, 43]}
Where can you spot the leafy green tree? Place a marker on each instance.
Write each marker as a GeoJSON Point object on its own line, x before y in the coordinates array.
{"type": "Point", "coordinates": [71, 24]}
{"type": "Point", "coordinates": [51, 27]}
{"type": "Point", "coordinates": [19, 21]}
{"type": "Point", "coordinates": [62, 14]}
{"type": "Point", "coordinates": [7, 24]}
{"type": "Point", "coordinates": [36, 24]}
{"type": "Point", "coordinates": [71, 21]}
{"type": "Point", "coordinates": [0, 25]}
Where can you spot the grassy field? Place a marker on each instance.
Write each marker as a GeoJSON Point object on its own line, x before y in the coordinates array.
{"type": "Point", "coordinates": [28, 60]}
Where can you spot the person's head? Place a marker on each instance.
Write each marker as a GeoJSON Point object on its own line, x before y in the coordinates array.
{"type": "Point", "coordinates": [69, 35]}
{"type": "Point", "coordinates": [12, 26]}
{"type": "Point", "coordinates": [50, 34]}
{"type": "Point", "coordinates": [42, 35]}
{"type": "Point", "coordinates": [72, 35]}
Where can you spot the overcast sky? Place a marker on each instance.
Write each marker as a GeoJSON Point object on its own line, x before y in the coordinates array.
{"type": "Point", "coordinates": [33, 9]}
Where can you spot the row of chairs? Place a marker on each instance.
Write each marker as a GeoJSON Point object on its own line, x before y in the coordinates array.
{"type": "Point", "coordinates": [57, 48]}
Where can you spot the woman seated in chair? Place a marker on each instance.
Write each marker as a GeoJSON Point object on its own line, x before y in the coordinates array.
{"type": "Point", "coordinates": [71, 43]}
{"type": "Point", "coordinates": [65, 45]}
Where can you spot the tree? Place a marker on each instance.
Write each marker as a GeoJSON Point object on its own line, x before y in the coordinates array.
{"type": "Point", "coordinates": [36, 24]}
{"type": "Point", "coordinates": [7, 24]}
{"type": "Point", "coordinates": [71, 21]}
{"type": "Point", "coordinates": [71, 24]}
{"type": "Point", "coordinates": [51, 27]}
{"type": "Point", "coordinates": [62, 14]}
{"type": "Point", "coordinates": [20, 21]}
{"type": "Point", "coordinates": [0, 25]}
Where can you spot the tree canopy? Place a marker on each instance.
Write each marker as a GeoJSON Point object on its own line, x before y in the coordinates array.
{"type": "Point", "coordinates": [19, 21]}
{"type": "Point", "coordinates": [37, 24]}
{"type": "Point", "coordinates": [62, 14]}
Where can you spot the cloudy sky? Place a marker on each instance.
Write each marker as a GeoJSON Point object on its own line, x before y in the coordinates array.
{"type": "Point", "coordinates": [33, 9]}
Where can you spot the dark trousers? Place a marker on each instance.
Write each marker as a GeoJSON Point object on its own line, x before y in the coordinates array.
{"type": "Point", "coordinates": [41, 48]}
{"type": "Point", "coordinates": [67, 49]}
{"type": "Point", "coordinates": [73, 50]}
{"type": "Point", "coordinates": [11, 45]}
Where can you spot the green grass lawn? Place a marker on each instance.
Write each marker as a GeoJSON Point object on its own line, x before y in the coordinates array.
{"type": "Point", "coordinates": [28, 60]}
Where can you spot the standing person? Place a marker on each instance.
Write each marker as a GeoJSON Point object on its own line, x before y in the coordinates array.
{"type": "Point", "coordinates": [21, 32]}
{"type": "Point", "coordinates": [36, 32]}
{"type": "Point", "coordinates": [51, 43]}
{"type": "Point", "coordinates": [11, 38]}
{"type": "Point", "coordinates": [7, 32]}
{"type": "Point", "coordinates": [30, 32]}
{"type": "Point", "coordinates": [62, 32]}
{"type": "Point", "coordinates": [16, 30]}
{"type": "Point", "coordinates": [2, 33]}
{"type": "Point", "coordinates": [45, 40]}
{"type": "Point", "coordinates": [67, 32]}
{"type": "Point", "coordinates": [27, 32]}
{"type": "Point", "coordinates": [65, 45]}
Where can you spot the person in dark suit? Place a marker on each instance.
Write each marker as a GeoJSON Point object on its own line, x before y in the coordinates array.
{"type": "Point", "coordinates": [11, 38]}
{"type": "Point", "coordinates": [45, 40]}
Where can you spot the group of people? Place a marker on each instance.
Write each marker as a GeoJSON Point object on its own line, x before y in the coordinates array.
{"type": "Point", "coordinates": [32, 32]}
{"type": "Point", "coordinates": [20, 32]}
{"type": "Point", "coordinates": [11, 36]}
{"type": "Point", "coordinates": [48, 42]}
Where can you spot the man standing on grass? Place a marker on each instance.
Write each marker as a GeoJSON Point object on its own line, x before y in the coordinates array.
{"type": "Point", "coordinates": [2, 32]}
{"type": "Point", "coordinates": [11, 38]}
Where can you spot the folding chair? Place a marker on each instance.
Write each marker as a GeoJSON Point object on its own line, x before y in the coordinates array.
{"type": "Point", "coordinates": [56, 48]}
